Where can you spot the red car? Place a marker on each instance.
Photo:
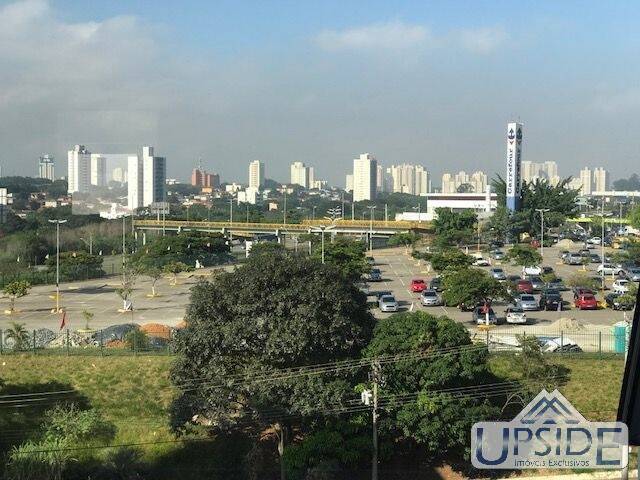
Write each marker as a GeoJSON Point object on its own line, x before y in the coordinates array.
{"type": "Point", "coordinates": [524, 286]}
{"type": "Point", "coordinates": [586, 302]}
{"type": "Point", "coordinates": [418, 285]}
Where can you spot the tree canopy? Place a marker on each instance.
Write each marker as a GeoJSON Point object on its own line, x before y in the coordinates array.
{"type": "Point", "coordinates": [471, 286]}
{"type": "Point", "coordinates": [186, 247]}
{"type": "Point", "coordinates": [449, 259]}
{"type": "Point", "coordinates": [348, 255]}
{"type": "Point", "coordinates": [77, 264]}
{"type": "Point", "coordinates": [454, 228]}
{"type": "Point", "coordinates": [524, 255]}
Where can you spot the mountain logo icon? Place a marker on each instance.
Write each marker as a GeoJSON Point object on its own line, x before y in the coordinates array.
{"type": "Point", "coordinates": [550, 408]}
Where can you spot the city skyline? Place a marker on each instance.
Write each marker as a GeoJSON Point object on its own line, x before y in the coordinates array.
{"type": "Point", "coordinates": [312, 92]}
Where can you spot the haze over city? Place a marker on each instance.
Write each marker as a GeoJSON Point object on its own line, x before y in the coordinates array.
{"type": "Point", "coordinates": [430, 84]}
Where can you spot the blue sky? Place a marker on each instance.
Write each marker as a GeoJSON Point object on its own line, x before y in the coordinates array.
{"type": "Point", "coordinates": [425, 82]}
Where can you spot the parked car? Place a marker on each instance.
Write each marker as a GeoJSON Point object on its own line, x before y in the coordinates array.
{"type": "Point", "coordinates": [595, 258]}
{"type": "Point", "coordinates": [585, 253]}
{"type": "Point", "coordinates": [515, 314]}
{"type": "Point", "coordinates": [594, 241]}
{"type": "Point", "coordinates": [388, 303]}
{"type": "Point", "coordinates": [498, 254]}
{"type": "Point", "coordinates": [467, 306]}
{"type": "Point", "coordinates": [633, 273]}
{"type": "Point", "coordinates": [563, 254]}
{"type": "Point", "coordinates": [375, 275]}
{"type": "Point", "coordinates": [514, 278]}
{"type": "Point", "coordinates": [609, 269]}
{"type": "Point", "coordinates": [573, 259]}
{"type": "Point", "coordinates": [436, 284]}
{"type": "Point", "coordinates": [498, 274]}
{"type": "Point", "coordinates": [586, 301]}
{"type": "Point", "coordinates": [556, 284]}
{"type": "Point", "coordinates": [577, 291]}
{"type": "Point", "coordinates": [479, 316]}
{"type": "Point", "coordinates": [618, 301]}
{"type": "Point", "coordinates": [524, 286]}
{"type": "Point", "coordinates": [536, 282]}
{"type": "Point", "coordinates": [418, 285]}
{"type": "Point", "coordinates": [383, 293]}
{"type": "Point", "coordinates": [532, 270]}
{"type": "Point", "coordinates": [550, 300]}
{"type": "Point", "coordinates": [546, 270]}
{"type": "Point", "coordinates": [430, 298]}
{"type": "Point", "coordinates": [480, 261]}
{"type": "Point", "coordinates": [527, 303]}
{"type": "Point", "coordinates": [620, 286]}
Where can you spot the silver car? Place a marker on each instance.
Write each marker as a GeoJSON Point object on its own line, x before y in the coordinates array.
{"type": "Point", "coordinates": [430, 298]}
{"type": "Point", "coordinates": [633, 274]}
{"type": "Point", "coordinates": [498, 274]}
{"type": "Point", "coordinates": [388, 303]}
{"type": "Point", "coordinates": [515, 315]}
{"type": "Point", "coordinates": [528, 303]}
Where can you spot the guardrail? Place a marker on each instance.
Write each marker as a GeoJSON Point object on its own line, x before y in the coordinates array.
{"type": "Point", "coordinates": [304, 226]}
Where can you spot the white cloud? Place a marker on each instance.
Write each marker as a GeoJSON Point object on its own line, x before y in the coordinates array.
{"type": "Point", "coordinates": [395, 35]}
{"type": "Point", "coordinates": [482, 40]}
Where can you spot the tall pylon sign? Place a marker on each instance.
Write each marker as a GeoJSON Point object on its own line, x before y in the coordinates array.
{"type": "Point", "coordinates": [514, 162]}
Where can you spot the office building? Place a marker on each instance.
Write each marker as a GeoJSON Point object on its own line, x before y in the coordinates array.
{"type": "Point", "coordinates": [600, 180]}
{"type": "Point", "coordinates": [154, 177]}
{"type": "Point", "coordinates": [98, 170]}
{"type": "Point", "coordinates": [585, 181]}
{"type": "Point", "coordinates": [46, 167]}
{"type": "Point", "coordinates": [365, 175]}
{"type": "Point", "coordinates": [301, 175]}
{"type": "Point", "coordinates": [78, 170]}
{"type": "Point", "coordinates": [256, 174]}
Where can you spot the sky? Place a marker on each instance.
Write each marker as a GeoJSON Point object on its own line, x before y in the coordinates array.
{"type": "Point", "coordinates": [226, 82]}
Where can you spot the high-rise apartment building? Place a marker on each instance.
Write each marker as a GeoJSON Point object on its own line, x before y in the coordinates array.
{"type": "Point", "coordinates": [202, 178]}
{"type": "Point", "coordinates": [365, 176]}
{"type": "Point", "coordinates": [411, 179]}
{"type": "Point", "coordinates": [301, 175]}
{"type": "Point", "coordinates": [46, 167]}
{"type": "Point", "coordinates": [532, 171]}
{"type": "Point", "coordinates": [79, 170]}
{"type": "Point", "coordinates": [119, 175]}
{"type": "Point", "coordinates": [600, 180]}
{"type": "Point", "coordinates": [474, 183]}
{"type": "Point", "coordinates": [154, 177]}
{"type": "Point", "coordinates": [585, 181]}
{"type": "Point", "coordinates": [135, 182]}
{"type": "Point", "coordinates": [256, 174]}
{"type": "Point", "coordinates": [348, 182]}
{"type": "Point", "coordinates": [98, 170]}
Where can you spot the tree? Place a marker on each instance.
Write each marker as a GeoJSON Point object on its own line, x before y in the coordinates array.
{"type": "Point", "coordinates": [186, 247]}
{"type": "Point", "coordinates": [417, 414]}
{"type": "Point", "coordinates": [15, 290]}
{"type": "Point", "coordinates": [18, 334]}
{"type": "Point", "coordinates": [580, 279]}
{"type": "Point", "coordinates": [408, 239]}
{"type": "Point", "coordinates": [345, 254]}
{"type": "Point", "coordinates": [88, 316]}
{"type": "Point", "coordinates": [451, 259]}
{"type": "Point", "coordinates": [524, 255]}
{"type": "Point", "coordinates": [627, 184]}
{"type": "Point", "coordinates": [155, 274]}
{"type": "Point", "coordinates": [634, 217]}
{"type": "Point", "coordinates": [137, 339]}
{"type": "Point", "coordinates": [471, 286]}
{"type": "Point", "coordinates": [454, 228]}
{"type": "Point", "coordinates": [75, 265]}
{"type": "Point", "coordinates": [272, 313]}
{"type": "Point", "coordinates": [465, 188]}
{"type": "Point", "coordinates": [175, 268]}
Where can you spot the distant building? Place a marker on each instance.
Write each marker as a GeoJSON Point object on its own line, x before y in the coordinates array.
{"type": "Point", "coordinates": [301, 175]}
{"type": "Point", "coordinates": [98, 170]}
{"type": "Point", "coordinates": [119, 174]}
{"type": "Point", "coordinates": [46, 167]}
{"type": "Point", "coordinates": [482, 204]}
{"type": "Point", "coordinates": [79, 170]}
{"type": "Point", "coordinates": [600, 180]}
{"type": "Point", "coordinates": [348, 183]}
{"type": "Point", "coordinates": [202, 178]}
{"type": "Point", "coordinates": [135, 182]}
{"type": "Point", "coordinates": [249, 195]}
{"type": "Point", "coordinates": [365, 175]}
{"type": "Point", "coordinates": [532, 171]}
{"type": "Point", "coordinates": [256, 174]}
{"type": "Point", "coordinates": [154, 177]}
{"type": "Point", "coordinates": [476, 182]}
{"type": "Point", "coordinates": [585, 181]}
{"type": "Point", "coordinates": [411, 179]}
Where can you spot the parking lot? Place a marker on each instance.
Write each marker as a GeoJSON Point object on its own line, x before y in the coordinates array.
{"type": "Point", "coordinates": [399, 268]}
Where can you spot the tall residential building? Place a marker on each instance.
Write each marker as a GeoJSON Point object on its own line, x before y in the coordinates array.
{"type": "Point", "coordinates": [135, 182]}
{"type": "Point", "coordinates": [202, 178]}
{"type": "Point", "coordinates": [348, 182]}
{"type": "Point", "coordinates": [46, 167]}
{"type": "Point", "coordinates": [301, 175]}
{"type": "Point", "coordinates": [476, 182]}
{"type": "Point", "coordinates": [256, 174]}
{"type": "Point", "coordinates": [411, 179]}
{"type": "Point", "coordinates": [79, 169]}
{"type": "Point", "coordinates": [380, 179]}
{"type": "Point", "coordinates": [600, 180]}
{"type": "Point", "coordinates": [365, 175]}
{"type": "Point", "coordinates": [119, 175]}
{"type": "Point", "coordinates": [585, 181]}
{"type": "Point", "coordinates": [154, 177]}
{"type": "Point", "coordinates": [98, 170]}
{"type": "Point", "coordinates": [532, 171]}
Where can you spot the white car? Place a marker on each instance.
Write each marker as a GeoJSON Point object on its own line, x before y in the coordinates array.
{"type": "Point", "coordinates": [481, 262]}
{"type": "Point", "coordinates": [516, 315]}
{"type": "Point", "coordinates": [620, 286]}
{"type": "Point", "coordinates": [608, 269]}
{"type": "Point", "coordinates": [595, 241]}
{"type": "Point", "coordinates": [532, 270]}
{"type": "Point", "coordinates": [388, 303]}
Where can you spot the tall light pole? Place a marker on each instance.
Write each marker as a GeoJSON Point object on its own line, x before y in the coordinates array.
{"type": "Point", "coordinates": [58, 223]}
{"type": "Point", "coordinates": [284, 210]}
{"type": "Point", "coordinates": [602, 241]}
{"type": "Point", "coordinates": [313, 213]}
{"type": "Point", "coordinates": [542, 211]}
{"type": "Point", "coordinates": [342, 215]}
{"type": "Point", "coordinates": [371, 209]}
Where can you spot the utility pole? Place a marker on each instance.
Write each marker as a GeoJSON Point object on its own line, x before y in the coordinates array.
{"type": "Point", "coordinates": [58, 223]}
{"type": "Point", "coordinates": [353, 210]}
{"type": "Point", "coordinates": [374, 419]}
{"type": "Point", "coordinates": [371, 209]}
{"type": "Point", "coordinates": [342, 213]}
{"type": "Point", "coordinates": [542, 211]}
{"type": "Point", "coordinates": [124, 222]}
{"type": "Point", "coordinates": [602, 241]}
{"type": "Point", "coordinates": [386, 214]}
{"type": "Point", "coordinates": [284, 210]}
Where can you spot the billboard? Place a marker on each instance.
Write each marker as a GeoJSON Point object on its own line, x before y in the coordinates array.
{"type": "Point", "coordinates": [513, 177]}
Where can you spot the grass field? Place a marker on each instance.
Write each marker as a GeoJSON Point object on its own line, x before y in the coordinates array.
{"type": "Point", "coordinates": [135, 394]}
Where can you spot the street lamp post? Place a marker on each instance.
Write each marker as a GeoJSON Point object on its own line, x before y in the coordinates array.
{"type": "Point", "coordinates": [284, 210]}
{"type": "Point", "coordinates": [542, 212]}
{"type": "Point", "coordinates": [313, 213]}
{"type": "Point", "coordinates": [371, 209]}
{"type": "Point", "coordinates": [602, 241]}
{"type": "Point", "coordinates": [58, 223]}
{"type": "Point", "coordinates": [88, 243]}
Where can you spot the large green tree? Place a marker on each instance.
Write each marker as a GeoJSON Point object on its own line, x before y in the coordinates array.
{"type": "Point", "coordinates": [348, 255]}
{"type": "Point", "coordinates": [277, 311]}
{"type": "Point", "coordinates": [524, 255]}
{"type": "Point", "coordinates": [415, 413]}
{"type": "Point", "coordinates": [471, 286]}
{"type": "Point", "coordinates": [449, 259]}
{"type": "Point", "coordinates": [76, 265]}
{"type": "Point", "coordinates": [454, 228]}
{"type": "Point", "coordinates": [186, 247]}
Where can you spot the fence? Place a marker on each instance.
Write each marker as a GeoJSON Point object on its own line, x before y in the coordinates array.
{"type": "Point", "coordinates": [560, 341]}
{"type": "Point", "coordinates": [125, 339]}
